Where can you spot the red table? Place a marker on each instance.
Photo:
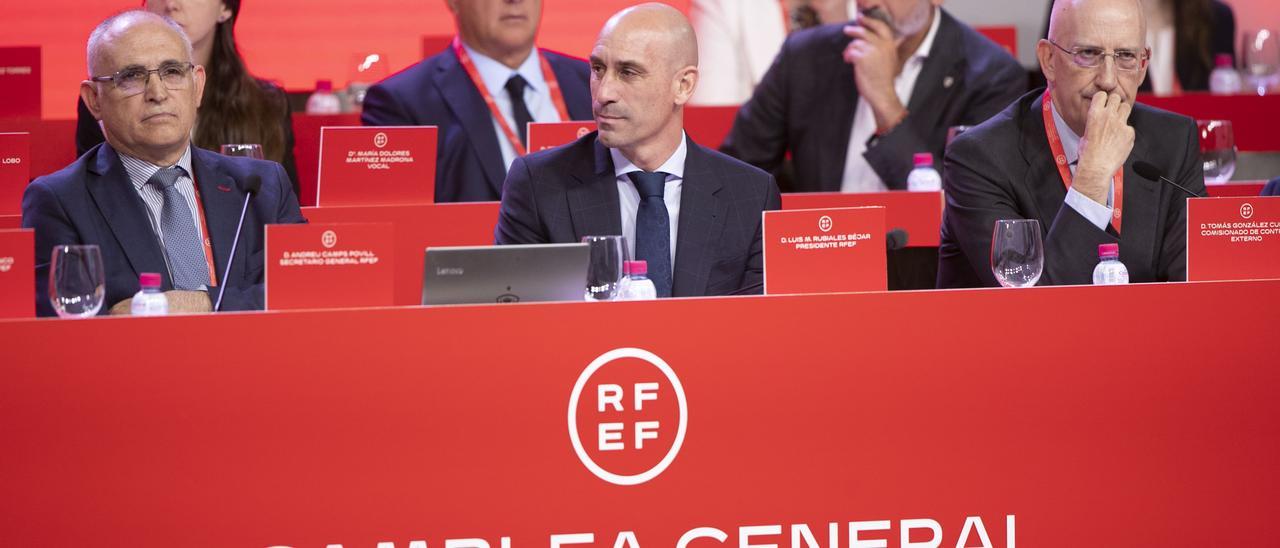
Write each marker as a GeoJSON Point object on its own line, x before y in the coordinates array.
{"type": "Point", "coordinates": [355, 427]}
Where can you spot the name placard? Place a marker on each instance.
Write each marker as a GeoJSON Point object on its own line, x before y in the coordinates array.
{"type": "Point", "coordinates": [377, 165]}
{"type": "Point", "coordinates": [545, 135]}
{"type": "Point", "coordinates": [1236, 238]}
{"type": "Point", "coordinates": [824, 250]}
{"type": "Point", "coordinates": [17, 273]}
{"type": "Point", "coordinates": [329, 265]}
{"type": "Point", "coordinates": [15, 170]}
{"type": "Point", "coordinates": [20, 80]}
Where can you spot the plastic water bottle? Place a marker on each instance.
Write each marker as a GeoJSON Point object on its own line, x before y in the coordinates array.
{"type": "Point", "coordinates": [1110, 271]}
{"type": "Point", "coordinates": [149, 301]}
{"type": "Point", "coordinates": [924, 178]}
{"type": "Point", "coordinates": [324, 100]}
{"type": "Point", "coordinates": [1224, 80]}
{"type": "Point", "coordinates": [636, 285]}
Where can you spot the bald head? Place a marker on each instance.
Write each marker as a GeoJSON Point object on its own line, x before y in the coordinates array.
{"type": "Point", "coordinates": [659, 26]}
{"type": "Point", "coordinates": [107, 31]}
{"type": "Point", "coordinates": [1067, 16]}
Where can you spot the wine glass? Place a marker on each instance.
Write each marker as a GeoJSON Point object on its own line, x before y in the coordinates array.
{"type": "Point", "coordinates": [77, 281]}
{"type": "Point", "coordinates": [1261, 55]}
{"type": "Point", "coordinates": [1017, 254]}
{"type": "Point", "coordinates": [604, 271]}
{"type": "Point", "coordinates": [1217, 150]}
{"type": "Point", "coordinates": [246, 150]}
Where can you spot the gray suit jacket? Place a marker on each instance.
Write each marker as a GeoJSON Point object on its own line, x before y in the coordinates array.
{"type": "Point", "coordinates": [1003, 169]}
{"type": "Point", "coordinates": [563, 194]}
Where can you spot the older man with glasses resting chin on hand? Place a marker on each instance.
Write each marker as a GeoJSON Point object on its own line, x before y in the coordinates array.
{"type": "Point", "coordinates": [147, 198]}
{"type": "Point", "coordinates": [1065, 156]}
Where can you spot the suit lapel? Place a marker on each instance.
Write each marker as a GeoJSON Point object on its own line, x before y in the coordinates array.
{"type": "Point", "coordinates": [702, 218]}
{"type": "Point", "coordinates": [942, 73]}
{"type": "Point", "coordinates": [577, 99]}
{"type": "Point", "coordinates": [468, 106]}
{"type": "Point", "coordinates": [221, 208]}
{"type": "Point", "coordinates": [116, 199]}
{"type": "Point", "coordinates": [1042, 179]}
{"type": "Point", "coordinates": [1140, 216]}
{"type": "Point", "coordinates": [831, 170]}
{"type": "Point", "coordinates": [593, 196]}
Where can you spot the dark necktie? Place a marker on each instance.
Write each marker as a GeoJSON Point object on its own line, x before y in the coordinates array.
{"type": "Point", "coordinates": [515, 89]}
{"type": "Point", "coordinates": [653, 229]}
{"type": "Point", "coordinates": [182, 244]}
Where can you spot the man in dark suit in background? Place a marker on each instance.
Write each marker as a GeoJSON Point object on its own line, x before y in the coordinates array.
{"type": "Point", "coordinates": [481, 92]}
{"type": "Point", "coordinates": [1065, 157]}
{"type": "Point", "coordinates": [147, 198]}
{"type": "Point", "coordinates": [640, 176]}
{"type": "Point", "coordinates": [852, 103]}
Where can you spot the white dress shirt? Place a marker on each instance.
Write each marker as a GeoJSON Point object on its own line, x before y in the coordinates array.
{"type": "Point", "coordinates": [859, 176]}
{"type": "Point", "coordinates": [1096, 213]}
{"type": "Point", "coordinates": [629, 196]}
{"type": "Point", "coordinates": [537, 96]}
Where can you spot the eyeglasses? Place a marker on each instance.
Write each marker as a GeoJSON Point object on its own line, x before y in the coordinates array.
{"type": "Point", "coordinates": [132, 80]}
{"type": "Point", "coordinates": [1091, 57]}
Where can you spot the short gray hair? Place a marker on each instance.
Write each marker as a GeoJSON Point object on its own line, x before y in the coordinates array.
{"type": "Point", "coordinates": [118, 23]}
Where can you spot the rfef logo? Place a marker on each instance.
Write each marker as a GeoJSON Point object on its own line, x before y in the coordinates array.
{"type": "Point", "coordinates": [329, 238]}
{"type": "Point", "coordinates": [380, 140]}
{"type": "Point", "coordinates": [1246, 211]}
{"type": "Point", "coordinates": [824, 223]}
{"type": "Point", "coordinates": [627, 416]}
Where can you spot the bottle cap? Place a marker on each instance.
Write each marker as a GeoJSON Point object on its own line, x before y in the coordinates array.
{"type": "Point", "coordinates": [1223, 60]}
{"type": "Point", "coordinates": [637, 268]}
{"type": "Point", "coordinates": [149, 280]}
{"type": "Point", "coordinates": [1108, 251]}
{"type": "Point", "coordinates": [324, 85]}
{"type": "Point", "coordinates": [922, 159]}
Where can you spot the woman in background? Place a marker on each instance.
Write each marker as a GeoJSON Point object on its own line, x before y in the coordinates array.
{"type": "Point", "coordinates": [237, 108]}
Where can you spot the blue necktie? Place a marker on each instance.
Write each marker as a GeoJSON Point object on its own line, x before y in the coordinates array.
{"type": "Point", "coordinates": [653, 229]}
{"type": "Point", "coordinates": [182, 244]}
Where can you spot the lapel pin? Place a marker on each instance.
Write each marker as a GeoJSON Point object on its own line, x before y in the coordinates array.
{"type": "Point", "coordinates": [224, 188]}
{"type": "Point", "coordinates": [946, 82]}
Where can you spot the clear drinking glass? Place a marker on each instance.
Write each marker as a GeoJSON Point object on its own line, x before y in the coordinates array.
{"type": "Point", "coordinates": [1017, 254]}
{"type": "Point", "coordinates": [77, 281]}
{"type": "Point", "coordinates": [1217, 150]}
{"type": "Point", "coordinates": [246, 150]}
{"type": "Point", "coordinates": [604, 272]}
{"type": "Point", "coordinates": [1260, 54]}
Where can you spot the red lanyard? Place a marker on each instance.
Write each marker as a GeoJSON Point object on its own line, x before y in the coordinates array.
{"type": "Point", "coordinates": [548, 76]}
{"type": "Point", "coordinates": [204, 229]}
{"type": "Point", "coordinates": [1060, 158]}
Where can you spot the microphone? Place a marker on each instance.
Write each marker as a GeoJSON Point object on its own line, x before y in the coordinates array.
{"type": "Point", "coordinates": [250, 187]}
{"type": "Point", "coordinates": [896, 239]}
{"type": "Point", "coordinates": [1152, 173]}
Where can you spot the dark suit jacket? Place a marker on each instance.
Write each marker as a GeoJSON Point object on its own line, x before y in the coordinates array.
{"type": "Point", "coordinates": [807, 100]}
{"type": "Point", "coordinates": [89, 133]}
{"type": "Point", "coordinates": [563, 194]}
{"type": "Point", "coordinates": [1272, 188]}
{"type": "Point", "coordinates": [92, 201]}
{"type": "Point", "coordinates": [438, 92]}
{"type": "Point", "coordinates": [1003, 169]}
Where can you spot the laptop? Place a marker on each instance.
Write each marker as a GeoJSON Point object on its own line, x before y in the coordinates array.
{"type": "Point", "coordinates": [505, 274]}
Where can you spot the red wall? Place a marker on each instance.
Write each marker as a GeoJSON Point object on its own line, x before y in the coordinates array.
{"type": "Point", "coordinates": [293, 41]}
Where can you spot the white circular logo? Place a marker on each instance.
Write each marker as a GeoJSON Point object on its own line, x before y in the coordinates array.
{"type": "Point", "coordinates": [582, 131]}
{"type": "Point", "coordinates": [329, 238]}
{"type": "Point", "coordinates": [633, 392]}
{"type": "Point", "coordinates": [1246, 211]}
{"type": "Point", "coordinates": [824, 224]}
{"type": "Point", "coordinates": [380, 140]}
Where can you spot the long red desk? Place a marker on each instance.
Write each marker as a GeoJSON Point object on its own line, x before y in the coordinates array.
{"type": "Point", "coordinates": [1156, 424]}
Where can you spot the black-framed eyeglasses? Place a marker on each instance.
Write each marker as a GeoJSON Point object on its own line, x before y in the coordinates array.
{"type": "Point", "coordinates": [132, 80]}
{"type": "Point", "coordinates": [1091, 57]}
